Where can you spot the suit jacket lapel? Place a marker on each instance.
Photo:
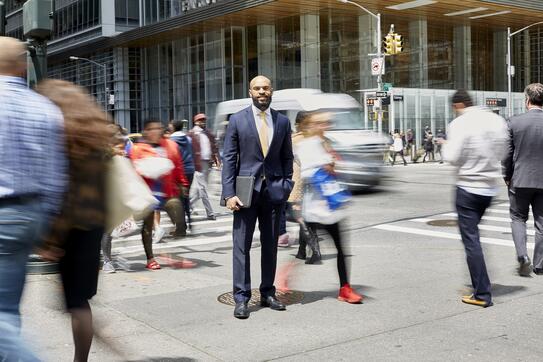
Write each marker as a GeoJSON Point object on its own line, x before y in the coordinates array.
{"type": "Point", "coordinates": [252, 128]}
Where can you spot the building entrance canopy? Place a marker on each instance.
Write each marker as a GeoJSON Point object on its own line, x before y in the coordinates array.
{"type": "Point", "coordinates": [492, 13]}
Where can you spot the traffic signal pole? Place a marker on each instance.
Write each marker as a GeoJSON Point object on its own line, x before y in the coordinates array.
{"type": "Point", "coordinates": [2, 19]}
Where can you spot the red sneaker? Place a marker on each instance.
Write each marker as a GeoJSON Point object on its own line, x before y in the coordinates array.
{"type": "Point", "coordinates": [347, 294]}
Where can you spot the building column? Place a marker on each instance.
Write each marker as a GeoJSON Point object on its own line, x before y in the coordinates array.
{"type": "Point", "coordinates": [462, 57]}
{"type": "Point", "coordinates": [367, 33]}
{"type": "Point", "coordinates": [121, 87]}
{"type": "Point", "coordinates": [527, 53]}
{"type": "Point", "coordinates": [108, 17]}
{"type": "Point", "coordinates": [310, 51]}
{"type": "Point", "coordinates": [500, 60]}
{"type": "Point", "coordinates": [267, 59]}
{"type": "Point", "coordinates": [418, 41]}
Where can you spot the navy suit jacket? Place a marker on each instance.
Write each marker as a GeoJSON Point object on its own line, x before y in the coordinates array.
{"type": "Point", "coordinates": [242, 156]}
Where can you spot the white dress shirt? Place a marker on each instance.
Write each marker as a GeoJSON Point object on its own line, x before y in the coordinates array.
{"type": "Point", "coordinates": [269, 121]}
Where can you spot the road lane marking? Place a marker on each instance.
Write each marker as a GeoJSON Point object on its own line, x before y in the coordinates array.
{"type": "Point", "coordinates": [443, 235]}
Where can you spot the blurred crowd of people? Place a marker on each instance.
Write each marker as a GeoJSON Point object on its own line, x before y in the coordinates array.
{"type": "Point", "coordinates": [404, 144]}
{"type": "Point", "coordinates": [57, 147]}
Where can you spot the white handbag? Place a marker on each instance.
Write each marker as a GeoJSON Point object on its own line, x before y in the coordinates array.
{"type": "Point", "coordinates": [127, 194]}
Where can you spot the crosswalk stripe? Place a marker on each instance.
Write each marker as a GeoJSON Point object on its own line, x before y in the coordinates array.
{"type": "Point", "coordinates": [481, 226]}
{"type": "Point", "coordinates": [444, 235]}
{"type": "Point", "coordinates": [498, 211]}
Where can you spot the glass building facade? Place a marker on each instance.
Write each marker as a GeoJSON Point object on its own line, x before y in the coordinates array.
{"type": "Point", "coordinates": [174, 58]}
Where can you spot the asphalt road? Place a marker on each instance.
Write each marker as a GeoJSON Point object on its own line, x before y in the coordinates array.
{"type": "Point", "coordinates": [410, 269]}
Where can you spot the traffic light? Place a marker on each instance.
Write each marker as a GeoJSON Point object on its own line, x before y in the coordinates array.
{"type": "Point", "coordinates": [393, 42]}
{"type": "Point", "coordinates": [398, 43]}
{"type": "Point", "coordinates": [389, 44]}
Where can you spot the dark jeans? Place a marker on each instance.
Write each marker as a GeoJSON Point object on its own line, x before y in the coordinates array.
{"type": "Point", "coordinates": [396, 154]}
{"type": "Point", "coordinates": [470, 209]}
{"type": "Point", "coordinates": [186, 199]}
{"type": "Point", "coordinates": [20, 226]}
{"type": "Point", "coordinates": [334, 231]}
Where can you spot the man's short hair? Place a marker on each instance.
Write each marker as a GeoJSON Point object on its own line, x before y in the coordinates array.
{"type": "Point", "coordinates": [462, 96]}
{"type": "Point", "coordinates": [177, 125]}
{"type": "Point", "coordinates": [149, 121]}
{"type": "Point", "coordinates": [534, 94]}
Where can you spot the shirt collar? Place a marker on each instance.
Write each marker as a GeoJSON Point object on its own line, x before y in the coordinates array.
{"type": "Point", "coordinates": [12, 80]}
{"type": "Point", "coordinates": [257, 111]}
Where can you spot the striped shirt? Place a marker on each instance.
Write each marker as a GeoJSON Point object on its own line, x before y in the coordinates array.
{"type": "Point", "coordinates": [32, 148]}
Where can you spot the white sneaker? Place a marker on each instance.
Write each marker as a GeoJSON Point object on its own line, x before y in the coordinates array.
{"type": "Point", "coordinates": [108, 267]}
{"type": "Point", "coordinates": [158, 235]}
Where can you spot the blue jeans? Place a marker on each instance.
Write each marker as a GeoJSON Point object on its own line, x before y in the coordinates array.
{"type": "Point", "coordinates": [470, 209]}
{"type": "Point", "coordinates": [20, 227]}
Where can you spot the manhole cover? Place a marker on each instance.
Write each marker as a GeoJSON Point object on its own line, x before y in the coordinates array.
{"type": "Point", "coordinates": [451, 222]}
{"type": "Point", "coordinates": [36, 265]}
{"type": "Point", "coordinates": [287, 298]}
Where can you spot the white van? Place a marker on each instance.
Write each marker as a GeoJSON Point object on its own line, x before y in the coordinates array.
{"type": "Point", "coordinates": [361, 150]}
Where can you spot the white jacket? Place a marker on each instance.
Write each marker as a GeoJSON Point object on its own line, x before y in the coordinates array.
{"type": "Point", "coordinates": [476, 145]}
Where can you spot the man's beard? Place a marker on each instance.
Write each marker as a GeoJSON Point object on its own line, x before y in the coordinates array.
{"type": "Point", "coordinates": [262, 106]}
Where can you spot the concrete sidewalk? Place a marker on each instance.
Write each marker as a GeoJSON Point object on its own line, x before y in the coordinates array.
{"type": "Point", "coordinates": [412, 310]}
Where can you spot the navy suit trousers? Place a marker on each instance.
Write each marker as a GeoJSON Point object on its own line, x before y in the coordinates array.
{"type": "Point", "coordinates": [471, 208]}
{"type": "Point", "coordinates": [244, 225]}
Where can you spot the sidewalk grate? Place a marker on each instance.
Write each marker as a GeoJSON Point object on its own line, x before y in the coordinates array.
{"type": "Point", "coordinates": [287, 298]}
{"type": "Point", "coordinates": [446, 222]}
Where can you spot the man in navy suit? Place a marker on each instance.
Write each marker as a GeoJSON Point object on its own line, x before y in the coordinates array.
{"type": "Point", "coordinates": [257, 143]}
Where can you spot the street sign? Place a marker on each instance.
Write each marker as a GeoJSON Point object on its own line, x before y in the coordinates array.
{"type": "Point", "coordinates": [387, 87]}
{"type": "Point", "coordinates": [377, 66]}
{"type": "Point", "coordinates": [398, 98]}
{"type": "Point", "coordinates": [385, 101]}
{"type": "Point", "coordinates": [496, 102]}
{"type": "Point", "coordinates": [381, 94]}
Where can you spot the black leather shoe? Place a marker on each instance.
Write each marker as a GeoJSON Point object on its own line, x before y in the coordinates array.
{"type": "Point", "coordinates": [273, 303]}
{"type": "Point", "coordinates": [241, 311]}
{"type": "Point", "coordinates": [212, 217]}
{"type": "Point", "coordinates": [524, 266]}
{"type": "Point", "coordinates": [538, 271]}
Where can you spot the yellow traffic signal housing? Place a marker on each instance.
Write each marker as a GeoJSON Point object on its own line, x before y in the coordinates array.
{"type": "Point", "coordinates": [389, 44]}
{"type": "Point", "coordinates": [398, 43]}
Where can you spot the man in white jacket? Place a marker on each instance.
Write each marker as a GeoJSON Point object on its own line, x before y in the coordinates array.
{"type": "Point", "coordinates": [476, 146]}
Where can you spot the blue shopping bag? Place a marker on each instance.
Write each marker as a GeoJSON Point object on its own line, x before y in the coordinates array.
{"type": "Point", "coordinates": [326, 184]}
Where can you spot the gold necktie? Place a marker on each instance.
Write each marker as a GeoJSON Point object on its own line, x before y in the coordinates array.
{"type": "Point", "coordinates": [263, 134]}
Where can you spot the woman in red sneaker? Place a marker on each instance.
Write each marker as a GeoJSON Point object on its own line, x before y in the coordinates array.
{"type": "Point", "coordinates": [315, 153]}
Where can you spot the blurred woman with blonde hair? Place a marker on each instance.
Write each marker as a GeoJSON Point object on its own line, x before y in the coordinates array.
{"type": "Point", "coordinates": [316, 155]}
{"type": "Point", "coordinates": [75, 237]}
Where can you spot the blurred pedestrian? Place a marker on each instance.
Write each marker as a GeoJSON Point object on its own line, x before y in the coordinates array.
{"type": "Point", "coordinates": [410, 140]}
{"type": "Point", "coordinates": [524, 177]}
{"type": "Point", "coordinates": [185, 149]}
{"type": "Point", "coordinates": [79, 229]}
{"type": "Point", "coordinates": [157, 159]}
{"type": "Point", "coordinates": [315, 154]}
{"type": "Point", "coordinates": [270, 163]}
{"type": "Point", "coordinates": [476, 145]}
{"type": "Point", "coordinates": [441, 137]}
{"type": "Point", "coordinates": [205, 155]}
{"type": "Point", "coordinates": [428, 147]}
{"type": "Point", "coordinates": [32, 183]}
{"type": "Point", "coordinates": [398, 149]}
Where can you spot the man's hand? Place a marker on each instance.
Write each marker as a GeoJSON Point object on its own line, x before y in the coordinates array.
{"type": "Point", "coordinates": [51, 253]}
{"type": "Point", "coordinates": [234, 203]}
{"type": "Point", "coordinates": [330, 168]}
{"type": "Point", "coordinates": [507, 183]}
{"type": "Point", "coordinates": [184, 191]}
